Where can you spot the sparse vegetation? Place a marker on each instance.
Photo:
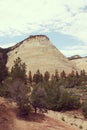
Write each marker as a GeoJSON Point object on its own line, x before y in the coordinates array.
{"type": "Point", "coordinates": [80, 127]}
{"type": "Point", "coordinates": [49, 92]}
{"type": "Point", "coordinates": [75, 116]}
{"type": "Point", "coordinates": [63, 118]}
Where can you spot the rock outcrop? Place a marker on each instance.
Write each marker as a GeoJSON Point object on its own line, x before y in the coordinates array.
{"type": "Point", "coordinates": [80, 63]}
{"type": "Point", "coordinates": [75, 57]}
{"type": "Point", "coordinates": [39, 53]}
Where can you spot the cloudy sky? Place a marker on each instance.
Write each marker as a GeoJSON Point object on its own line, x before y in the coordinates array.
{"type": "Point", "coordinates": [63, 21]}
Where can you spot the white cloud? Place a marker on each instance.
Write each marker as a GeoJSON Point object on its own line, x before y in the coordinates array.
{"type": "Point", "coordinates": [26, 16]}
{"type": "Point", "coordinates": [7, 45]}
{"type": "Point", "coordinates": [75, 50]}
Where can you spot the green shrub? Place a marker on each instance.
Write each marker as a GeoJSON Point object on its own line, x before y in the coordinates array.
{"type": "Point", "coordinates": [80, 127]}
{"type": "Point", "coordinates": [68, 101]}
{"type": "Point", "coordinates": [19, 92]}
{"type": "Point", "coordinates": [24, 106]}
{"type": "Point", "coordinates": [4, 92]}
{"type": "Point", "coordinates": [84, 108]}
{"type": "Point", "coordinates": [63, 119]}
{"type": "Point", "coordinates": [52, 96]}
{"type": "Point", "coordinates": [39, 98]}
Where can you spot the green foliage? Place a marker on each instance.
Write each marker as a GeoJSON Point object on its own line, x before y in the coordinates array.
{"type": "Point", "coordinates": [18, 70]}
{"type": "Point", "coordinates": [24, 106]}
{"type": "Point", "coordinates": [47, 94]}
{"type": "Point", "coordinates": [63, 75]}
{"type": "Point", "coordinates": [4, 88]}
{"type": "Point", "coordinates": [38, 97]}
{"type": "Point", "coordinates": [4, 91]}
{"type": "Point", "coordinates": [81, 127]}
{"type": "Point", "coordinates": [84, 108]}
{"type": "Point", "coordinates": [46, 76]}
{"type": "Point", "coordinates": [38, 77]}
{"type": "Point", "coordinates": [19, 92]}
{"type": "Point", "coordinates": [56, 76]}
{"type": "Point", "coordinates": [30, 77]}
{"type": "Point", "coordinates": [52, 96]}
{"type": "Point", "coordinates": [68, 101]}
{"type": "Point", "coordinates": [63, 119]}
{"type": "Point", "coordinates": [82, 73]}
{"type": "Point", "coordinates": [3, 71]}
{"type": "Point", "coordinates": [71, 81]}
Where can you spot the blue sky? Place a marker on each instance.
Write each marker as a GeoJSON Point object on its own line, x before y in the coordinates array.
{"type": "Point", "coordinates": [63, 21]}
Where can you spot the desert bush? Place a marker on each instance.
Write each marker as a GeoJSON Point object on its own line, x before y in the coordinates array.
{"type": "Point", "coordinates": [19, 92]}
{"type": "Point", "coordinates": [4, 88]}
{"type": "Point", "coordinates": [63, 119]}
{"type": "Point", "coordinates": [81, 127]}
{"type": "Point", "coordinates": [84, 108]}
{"type": "Point", "coordinates": [4, 91]}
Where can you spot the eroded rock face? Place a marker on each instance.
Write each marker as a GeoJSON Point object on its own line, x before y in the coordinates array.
{"type": "Point", "coordinates": [39, 53]}
{"type": "Point", "coordinates": [80, 63]}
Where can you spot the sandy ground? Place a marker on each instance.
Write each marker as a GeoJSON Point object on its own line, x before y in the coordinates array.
{"type": "Point", "coordinates": [40, 122]}
{"type": "Point", "coordinates": [9, 120]}
{"type": "Point", "coordinates": [73, 118]}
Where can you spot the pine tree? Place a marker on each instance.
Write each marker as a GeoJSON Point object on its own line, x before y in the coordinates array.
{"type": "Point", "coordinates": [38, 98]}
{"type": "Point", "coordinates": [56, 76]}
{"type": "Point", "coordinates": [72, 74]}
{"type": "Point", "coordinates": [30, 77]}
{"type": "Point", "coordinates": [3, 71]}
{"type": "Point", "coordinates": [77, 74]}
{"type": "Point", "coordinates": [46, 76]}
{"type": "Point", "coordinates": [63, 75]}
{"type": "Point", "coordinates": [38, 77]}
{"type": "Point", "coordinates": [18, 70]}
{"type": "Point", "coordinates": [52, 77]}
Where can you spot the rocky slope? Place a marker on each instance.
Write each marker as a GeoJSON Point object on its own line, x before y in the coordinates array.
{"type": "Point", "coordinates": [79, 62]}
{"type": "Point", "coordinates": [74, 57]}
{"type": "Point", "coordinates": [39, 53]}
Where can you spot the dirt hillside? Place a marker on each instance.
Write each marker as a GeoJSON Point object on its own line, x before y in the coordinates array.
{"type": "Point", "coordinates": [10, 121]}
